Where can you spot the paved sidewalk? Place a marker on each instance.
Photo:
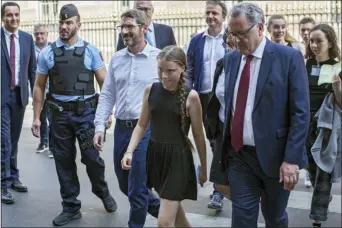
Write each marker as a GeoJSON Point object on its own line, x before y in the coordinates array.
{"type": "Point", "coordinates": [41, 204]}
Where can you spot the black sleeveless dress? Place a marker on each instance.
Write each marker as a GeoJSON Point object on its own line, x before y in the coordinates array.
{"type": "Point", "coordinates": [170, 165]}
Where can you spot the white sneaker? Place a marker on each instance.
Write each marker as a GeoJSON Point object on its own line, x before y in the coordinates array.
{"type": "Point", "coordinates": [42, 148]}
{"type": "Point", "coordinates": [50, 154]}
{"type": "Point", "coordinates": [307, 181]}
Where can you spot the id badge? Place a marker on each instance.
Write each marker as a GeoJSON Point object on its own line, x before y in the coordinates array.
{"type": "Point", "coordinates": [315, 71]}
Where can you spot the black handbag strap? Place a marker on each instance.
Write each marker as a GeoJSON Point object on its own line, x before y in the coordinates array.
{"type": "Point", "coordinates": [218, 72]}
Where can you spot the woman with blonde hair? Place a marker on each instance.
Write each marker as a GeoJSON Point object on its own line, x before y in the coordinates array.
{"type": "Point", "coordinates": [170, 108]}
{"type": "Point", "coordinates": [276, 26]}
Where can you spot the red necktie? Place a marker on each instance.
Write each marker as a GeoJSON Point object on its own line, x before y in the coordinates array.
{"type": "Point", "coordinates": [12, 61]}
{"type": "Point", "coordinates": [240, 107]}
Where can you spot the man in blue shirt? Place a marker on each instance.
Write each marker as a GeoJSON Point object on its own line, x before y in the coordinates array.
{"type": "Point", "coordinates": [130, 71]}
{"type": "Point", "coordinates": [40, 34]}
{"type": "Point", "coordinates": [70, 65]}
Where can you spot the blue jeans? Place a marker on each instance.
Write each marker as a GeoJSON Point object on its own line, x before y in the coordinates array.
{"type": "Point", "coordinates": [133, 182]}
{"type": "Point", "coordinates": [217, 192]}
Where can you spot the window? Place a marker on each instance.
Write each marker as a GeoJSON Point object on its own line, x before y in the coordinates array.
{"type": "Point", "coordinates": [49, 9]}
{"type": "Point", "coordinates": [125, 3]}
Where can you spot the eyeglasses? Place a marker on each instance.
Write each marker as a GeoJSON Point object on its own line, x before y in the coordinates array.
{"type": "Point", "coordinates": [242, 35]}
{"type": "Point", "coordinates": [120, 28]}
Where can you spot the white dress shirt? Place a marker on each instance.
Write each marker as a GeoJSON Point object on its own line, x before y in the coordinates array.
{"type": "Point", "coordinates": [17, 52]}
{"type": "Point", "coordinates": [213, 51]}
{"type": "Point", "coordinates": [127, 77]}
{"type": "Point", "coordinates": [248, 134]}
{"type": "Point", "coordinates": [220, 95]}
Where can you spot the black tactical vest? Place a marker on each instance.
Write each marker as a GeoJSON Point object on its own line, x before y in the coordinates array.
{"type": "Point", "coordinates": [69, 76]}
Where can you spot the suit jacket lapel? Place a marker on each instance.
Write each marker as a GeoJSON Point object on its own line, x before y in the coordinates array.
{"type": "Point", "coordinates": [4, 46]}
{"type": "Point", "coordinates": [265, 68]}
{"type": "Point", "coordinates": [232, 70]}
{"type": "Point", "coordinates": [22, 46]}
{"type": "Point", "coordinates": [199, 61]}
{"type": "Point", "coordinates": [157, 35]}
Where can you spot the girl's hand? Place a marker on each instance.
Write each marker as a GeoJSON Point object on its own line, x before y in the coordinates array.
{"type": "Point", "coordinates": [202, 176]}
{"type": "Point", "coordinates": [126, 161]}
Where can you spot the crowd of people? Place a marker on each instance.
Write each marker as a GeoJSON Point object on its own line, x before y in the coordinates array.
{"type": "Point", "coordinates": [268, 108]}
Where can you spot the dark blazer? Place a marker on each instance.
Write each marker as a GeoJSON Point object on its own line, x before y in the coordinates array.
{"type": "Point", "coordinates": [194, 73]}
{"type": "Point", "coordinates": [28, 67]}
{"type": "Point", "coordinates": [281, 112]}
{"type": "Point", "coordinates": [212, 118]}
{"type": "Point", "coordinates": [163, 33]}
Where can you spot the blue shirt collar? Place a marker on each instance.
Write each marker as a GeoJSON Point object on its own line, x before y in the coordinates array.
{"type": "Point", "coordinates": [79, 43]}
{"type": "Point", "coordinates": [38, 49]}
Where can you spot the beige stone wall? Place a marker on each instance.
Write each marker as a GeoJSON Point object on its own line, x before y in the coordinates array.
{"type": "Point", "coordinates": [30, 10]}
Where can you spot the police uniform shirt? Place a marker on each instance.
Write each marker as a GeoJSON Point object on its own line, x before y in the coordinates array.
{"type": "Point", "coordinates": [92, 61]}
{"type": "Point", "coordinates": [127, 77]}
{"type": "Point", "coordinates": [38, 50]}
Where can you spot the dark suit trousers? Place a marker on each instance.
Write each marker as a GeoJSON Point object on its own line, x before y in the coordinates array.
{"type": "Point", "coordinates": [12, 116]}
{"type": "Point", "coordinates": [248, 184]}
{"type": "Point", "coordinates": [204, 98]}
{"type": "Point", "coordinates": [133, 182]}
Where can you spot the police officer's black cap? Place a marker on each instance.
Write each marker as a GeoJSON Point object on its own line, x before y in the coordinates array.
{"type": "Point", "coordinates": [67, 11]}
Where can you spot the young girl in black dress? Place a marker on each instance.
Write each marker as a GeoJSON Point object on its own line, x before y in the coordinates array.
{"type": "Point", "coordinates": [170, 109]}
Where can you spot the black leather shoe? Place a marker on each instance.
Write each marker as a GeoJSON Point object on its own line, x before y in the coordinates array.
{"type": "Point", "coordinates": [6, 197]}
{"type": "Point", "coordinates": [109, 204]}
{"type": "Point", "coordinates": [65, 217]}
{"type": "Point", "coordinates": [18, 186]}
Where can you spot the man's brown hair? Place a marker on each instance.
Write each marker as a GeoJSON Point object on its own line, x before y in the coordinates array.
{"type": "Point", "coordinates": [307, 20]}
{"type": "Point", "coordinates": [221, 4]}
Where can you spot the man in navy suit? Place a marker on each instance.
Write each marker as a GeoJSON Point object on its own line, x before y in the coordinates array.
{"type": "Point", "coordinates": [158, 35]}
{"type": "Point", "coordinates": [266, 120]}
{"type": "Point", "coordinates": [204, 51]}
{"type": "Point", "coordinates": [18, 67]}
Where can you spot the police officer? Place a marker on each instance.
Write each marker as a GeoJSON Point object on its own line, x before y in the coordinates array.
{"type": "Point", "coordinates": [70, 65]}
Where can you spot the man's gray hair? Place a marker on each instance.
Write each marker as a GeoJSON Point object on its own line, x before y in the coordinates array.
{"type": "Point", "coordinates": [136, 1]}
{"type": "Point", "coordinates": [138, 15]}
{"type": "Point", "coordinates": [254, 14]}
{"type": "Point", "coordinates": [37, 26]}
